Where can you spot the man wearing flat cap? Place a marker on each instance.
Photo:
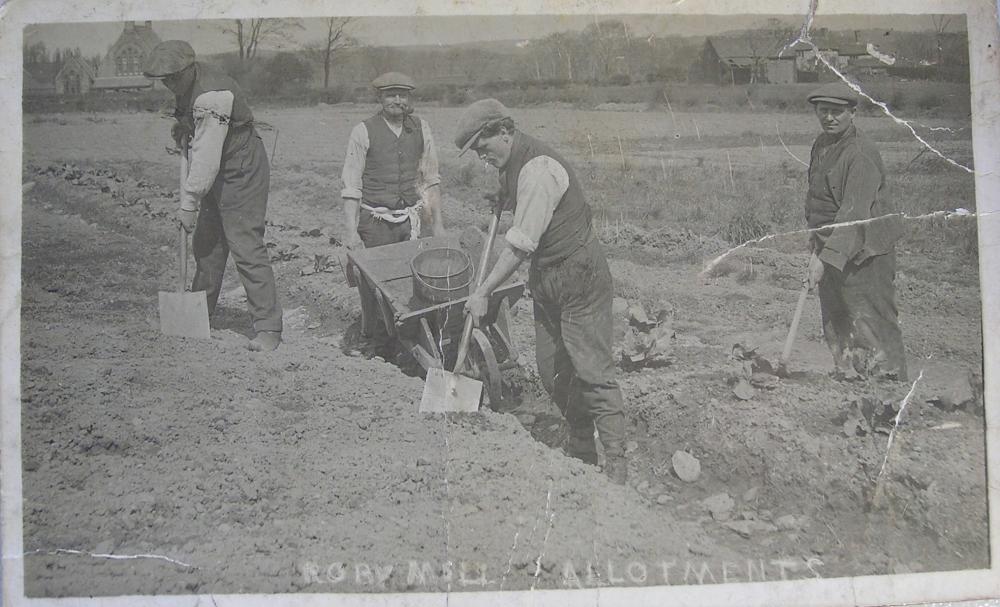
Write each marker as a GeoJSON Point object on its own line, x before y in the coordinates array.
{"type": "Point", "coordinates": [853, 265]}
{"type": "Point", "coordinates": [390, 172]}
{"type": "Point", "coordinates": [568, 276]}
{"type": "Point", "coordinates": [224, 197]}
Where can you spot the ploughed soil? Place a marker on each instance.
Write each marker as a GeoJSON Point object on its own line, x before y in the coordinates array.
{"type": "Point", "coordinates": [155, 464]}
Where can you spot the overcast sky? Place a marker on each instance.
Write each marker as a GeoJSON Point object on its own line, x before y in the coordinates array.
{"type": "Point", "coordinates": [207, 37]}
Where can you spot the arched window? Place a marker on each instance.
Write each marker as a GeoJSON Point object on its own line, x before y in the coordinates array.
{"type": "Point", "coordinates": [73, 84]}
{"type": "Point", "coordinates": [129, 61]}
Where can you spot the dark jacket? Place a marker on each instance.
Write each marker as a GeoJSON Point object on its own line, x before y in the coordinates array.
{"type": "Point", "coordinates": [847, 183]}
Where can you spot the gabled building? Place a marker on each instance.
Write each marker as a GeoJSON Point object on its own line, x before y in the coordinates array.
{"type": "Point", "coordinates": [746, 59]}
{"type": "Point", "coordinates": [121, 68]}
{"type": "Point", "coordinates": [67, 77]}
{"type": "Point", "coordinates": [76, 77]}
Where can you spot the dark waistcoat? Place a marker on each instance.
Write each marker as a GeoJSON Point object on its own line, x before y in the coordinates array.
{"type": "Point", "coordinates": [392, 163]}
{"type": "Point", "coordinates": [570, 227]}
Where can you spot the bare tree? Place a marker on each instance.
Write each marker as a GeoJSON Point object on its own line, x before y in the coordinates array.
{"type": "Point", "coordinates": [941, 23]}
{"type": "Point", "coordinates": [336, 38]}
{"type": "Point", "coordinates": [605, 41]}
{"type": "Point", "coordinates": [562, 45]}
{"type": "Point", "coordinates": [249, 33]}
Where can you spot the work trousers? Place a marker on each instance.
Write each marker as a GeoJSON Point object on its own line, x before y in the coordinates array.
{"type": "Point", "coordinates": [232, 220]}
{"type": "Point", "coordinates": [860, 319]}
{"type": "Point", "coordinates": [573, 333]}
{"type": "Point", "coordinates": [377, 232]}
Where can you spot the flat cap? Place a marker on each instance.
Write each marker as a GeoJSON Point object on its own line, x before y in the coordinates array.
{"type": "Point", "coordinates": [394, 80]}
{"type": "Point", "coordinates": [474, 119]}
{"type": "Point", "coordinates": [834, 92]}
{"type": "Point", "coordinates": [168, 57]}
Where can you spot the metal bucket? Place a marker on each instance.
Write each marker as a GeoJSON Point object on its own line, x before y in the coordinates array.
{"type": "Point", "coordinates": [442, 274]}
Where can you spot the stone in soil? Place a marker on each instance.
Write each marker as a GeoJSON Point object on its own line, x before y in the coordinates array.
{"type": "Point", "coordinates": [686, 466]}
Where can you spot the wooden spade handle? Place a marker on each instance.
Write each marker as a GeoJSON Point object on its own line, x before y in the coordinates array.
{"type": "Point", "coordinates": [463, 345]}
{"type": "Point", "coordinates": [182, 250]}
{"type": "Point", "coordinates": [786, 352]}
{"type": "Point", "coordinates": [182, 253]}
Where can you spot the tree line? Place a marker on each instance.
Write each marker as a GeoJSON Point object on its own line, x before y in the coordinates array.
{"type": "Point", "coordinates": [605, 52]}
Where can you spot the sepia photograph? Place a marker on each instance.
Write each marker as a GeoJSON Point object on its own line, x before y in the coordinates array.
{"type": "Point", "coordinates": [389, 303]}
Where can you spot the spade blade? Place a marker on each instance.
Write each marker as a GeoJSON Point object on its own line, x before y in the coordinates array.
{"type": "Point", "coordinates": [446, 392]}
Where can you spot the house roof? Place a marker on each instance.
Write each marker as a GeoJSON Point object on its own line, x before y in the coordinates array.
{"type": "Point", "coordinates": [752, 45]}
{"type": "Point", "coordinates": [78, 64]}
{"type": "Point", "coordinates": [122, 82]}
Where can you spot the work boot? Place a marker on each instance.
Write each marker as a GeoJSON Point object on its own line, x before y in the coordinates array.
{"type": "Point", "coordinates": [265, 341]}
{"type": "Point", "coordinates": [581, 446]}
{"type": "Point", "coordinates": [616, 469]}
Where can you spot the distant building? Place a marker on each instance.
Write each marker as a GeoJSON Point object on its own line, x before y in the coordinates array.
{"type": "Point", "coordinates": [121, 68]}
{"type": "Point", "coordinates": [759, 57]}
{"type": "Point", "coordinates": [68, 77]}
{"type": "Point", "coordinates": [746, 59]}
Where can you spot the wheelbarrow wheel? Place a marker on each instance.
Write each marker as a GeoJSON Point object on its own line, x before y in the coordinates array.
{"type": "Point", "coordinates": [485, 361]}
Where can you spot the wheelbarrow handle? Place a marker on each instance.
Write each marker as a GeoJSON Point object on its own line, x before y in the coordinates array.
{"type": "Point", "coordinates": [463, 345]}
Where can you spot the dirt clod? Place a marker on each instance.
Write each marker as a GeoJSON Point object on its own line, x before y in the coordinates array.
{"type": "Point", "coordinates": [748, 529]}
{"type": "Point", "coordinates": [720, 506]}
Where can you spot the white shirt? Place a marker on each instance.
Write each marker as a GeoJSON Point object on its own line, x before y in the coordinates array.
{"type": "Point", "coordinates": [211, 111]}
{"type": "Point", "coordinates": [357, 150]}
{"type": "Point", "coordinates": [541, 184]}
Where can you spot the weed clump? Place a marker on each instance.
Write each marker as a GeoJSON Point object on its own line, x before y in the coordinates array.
{"type": "Point", "coordinates": [744, 226]}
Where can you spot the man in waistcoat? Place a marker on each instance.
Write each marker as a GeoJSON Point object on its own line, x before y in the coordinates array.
{"type": "Point", "coordinates": [390, 172]}
{"type": "Point", "coordinates": [853, 265]}
{"type": "Point", "coordinates": [224, 197]}
{"type": "Point", "coordinates": [568, 276]}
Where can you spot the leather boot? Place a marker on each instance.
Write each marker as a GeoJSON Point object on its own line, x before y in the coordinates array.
{"type": "Point", "coordinates": [616, 469]}
{"type": "Point", "coordinates": [581, 445]}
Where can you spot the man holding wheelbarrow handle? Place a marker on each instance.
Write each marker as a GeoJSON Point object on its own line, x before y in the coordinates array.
{"type": "Point", "coordinates": [224, 197]}
{"type": "Point", "coordinates": [568, 276]}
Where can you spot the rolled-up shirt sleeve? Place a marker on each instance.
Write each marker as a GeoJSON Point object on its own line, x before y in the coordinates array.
{"type": "Point", "coordinates": [211, 112]}
{"type": "Point", "coordinates": [429, 172]}
{"type": "Point", "coordinates": [541, 184]}
{"type": "Point", "coordinates": [354, 162]}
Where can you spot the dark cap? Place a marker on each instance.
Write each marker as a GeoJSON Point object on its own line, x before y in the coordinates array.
{"type": "Point", "coordinates": [168, 57]}
{"type": "Point", "coordinates": [834, 92]}
{"type": "Point", "coordinates": [474, 119]}
{"type": "Point", "coordinates": [394, 80]}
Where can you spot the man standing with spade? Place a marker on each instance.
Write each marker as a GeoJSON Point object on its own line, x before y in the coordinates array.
{"type": "Point", "coordinates": [224, 196]}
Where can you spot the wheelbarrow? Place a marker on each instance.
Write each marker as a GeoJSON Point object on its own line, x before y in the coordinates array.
{"type": "Point", "coordinates": [430, 330]}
